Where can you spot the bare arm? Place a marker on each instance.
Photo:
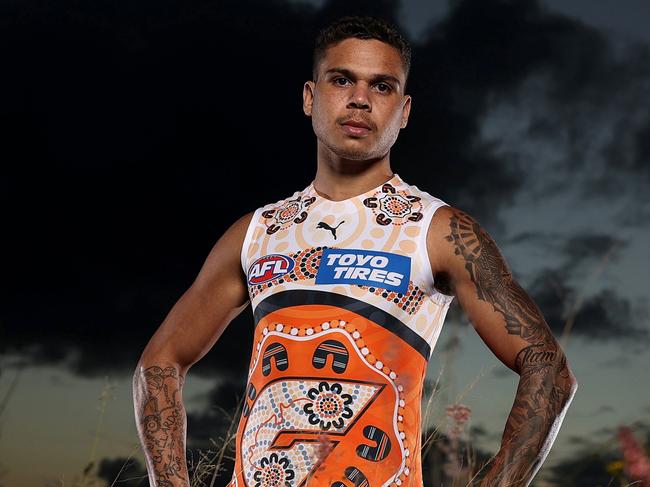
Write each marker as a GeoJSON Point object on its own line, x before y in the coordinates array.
{"type": "Point", "coordinates": [467, 261]}
{"type": "Point", "coordinates": [188, 332]}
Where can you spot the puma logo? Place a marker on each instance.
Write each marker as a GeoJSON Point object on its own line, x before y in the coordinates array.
{"type": "Point", "coordinates": [331, 229]}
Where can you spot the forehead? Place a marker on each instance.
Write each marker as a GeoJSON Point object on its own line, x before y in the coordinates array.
{"type": "Point", "coordinates": [364, 57]}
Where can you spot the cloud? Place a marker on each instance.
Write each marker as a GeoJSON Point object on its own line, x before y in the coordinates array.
{"type": "Point", "coordinates": [538, 238]}
{"type": "Point", "coordinates": [577, 441]}
{"type": "Point", "coordinates": [642, 149]}
{"type": "Point", "coordinates": [587, 247]}
{"type": "Point", "coordinates": [622, 361]}
{"type": "Point", "coordinates": [605, 431]}
{"type": "Point", "coordinates": [476, 431]}
{"type": "Point", "coordinates": [575, 123]}
{"type": "Point", "coordinates": [607, 316]}
{"type": "Point", "coordinates": [604, 409]}
{"type": "Point", "coordinates": [603, 316]}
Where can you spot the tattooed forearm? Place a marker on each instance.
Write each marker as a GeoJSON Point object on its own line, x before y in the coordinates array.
{"type": "Point", "coordinates": [544, 393]}
{"type": "Point", "coordinates": [161, 423]}
{"type": "Point", "coordinates": [546, 385]}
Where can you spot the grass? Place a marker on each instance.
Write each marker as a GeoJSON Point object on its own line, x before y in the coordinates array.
{"type": "Point", "coordinates": [4, 402]}
{"type": "Point", "coordinates": [210, 464]}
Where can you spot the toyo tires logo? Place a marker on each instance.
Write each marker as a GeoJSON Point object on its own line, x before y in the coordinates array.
{"type": "Point", "coordinates": [366, 268]}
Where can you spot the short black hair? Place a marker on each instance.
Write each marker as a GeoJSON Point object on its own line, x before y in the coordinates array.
{"type": "Point", "coordinates": [360, 28]}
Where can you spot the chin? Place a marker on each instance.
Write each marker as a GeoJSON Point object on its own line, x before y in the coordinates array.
{"type": "Point", "coordinates": [358, 156]}
{"type": "Point", "coordinates": [355, 155]}
{"type": "Point", "coordinates": [353, 149]}
{"type": "Point", "coordinates": [358, 153]}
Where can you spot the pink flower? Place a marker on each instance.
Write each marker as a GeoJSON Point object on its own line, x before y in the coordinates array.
{"type": "Point", "coordinates": [637, 463]}
{"type": "Point", "coordinates": [460, 414]}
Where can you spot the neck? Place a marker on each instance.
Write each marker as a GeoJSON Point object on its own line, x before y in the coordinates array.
{"type": "Point", "coordinates": [338, 178]}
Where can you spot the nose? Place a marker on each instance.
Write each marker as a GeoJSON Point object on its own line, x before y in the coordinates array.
{"type": "Point", "coordinates": [359, 98]}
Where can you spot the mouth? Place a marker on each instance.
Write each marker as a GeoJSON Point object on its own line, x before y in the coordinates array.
{"type": "Point", "coordinates": [357, 128]}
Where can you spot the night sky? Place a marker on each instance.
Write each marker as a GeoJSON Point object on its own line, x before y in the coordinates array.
{"type": "Point", "coordinates": [135, 133]}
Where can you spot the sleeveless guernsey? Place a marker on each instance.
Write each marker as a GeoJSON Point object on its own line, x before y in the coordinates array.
{"type": "Point", "coordinates": [346, 316]}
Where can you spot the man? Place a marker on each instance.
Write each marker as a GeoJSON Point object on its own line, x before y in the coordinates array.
{"type": "Point", "coordinates": [350, 281]}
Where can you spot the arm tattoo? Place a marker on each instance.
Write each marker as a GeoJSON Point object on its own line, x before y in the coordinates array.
{"type": "Point", "coordinates": [546, 385]}
{"type": "Point", "coordinates": [161, 423]}
{"type": "Point", "coordinates": [493, 280]}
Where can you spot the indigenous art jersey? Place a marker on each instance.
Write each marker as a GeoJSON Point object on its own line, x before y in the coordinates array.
{"type": "Point", "coordinates": [346, 317]}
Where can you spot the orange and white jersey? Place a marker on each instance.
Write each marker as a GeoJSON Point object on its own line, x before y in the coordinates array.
{"type": "Point", "coordinates": [346, 316]}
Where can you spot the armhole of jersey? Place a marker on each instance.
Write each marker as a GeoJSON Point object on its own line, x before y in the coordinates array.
{"type": "Point", "coordinates": [247, 240]}
{"type": "Point", "coordinates": [434, 294]}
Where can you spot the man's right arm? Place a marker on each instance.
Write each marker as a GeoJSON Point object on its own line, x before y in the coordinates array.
{"type": "Point", "coordinates": [188, 332]}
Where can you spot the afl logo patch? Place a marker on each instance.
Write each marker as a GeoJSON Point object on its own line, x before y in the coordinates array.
{"type": "Point", "coordinates": [269, 267]}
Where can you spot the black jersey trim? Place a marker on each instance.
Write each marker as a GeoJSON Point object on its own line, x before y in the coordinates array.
{"type": "Point", "coordinates": [298, 297]}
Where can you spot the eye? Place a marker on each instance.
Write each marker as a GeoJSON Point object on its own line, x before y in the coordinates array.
{"type": "Point", "coordinates": [337, 81]}
{"type": "Point", "coordinates": [384, 87]}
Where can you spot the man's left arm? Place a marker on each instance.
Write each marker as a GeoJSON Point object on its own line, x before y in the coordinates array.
{"type": "Point", "coordinates": [468, 264]}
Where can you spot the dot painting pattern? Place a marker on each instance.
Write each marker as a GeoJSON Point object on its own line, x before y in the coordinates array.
{"type": "Point", "coordinates": [300, 417]}
{"type": "Point", "coordinates": [285, 215]}
{"type": "Point", "coordinates": [393, 207]}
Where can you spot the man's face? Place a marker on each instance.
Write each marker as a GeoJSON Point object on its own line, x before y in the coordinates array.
{"type": "Point", "coordinates": [360, 83]}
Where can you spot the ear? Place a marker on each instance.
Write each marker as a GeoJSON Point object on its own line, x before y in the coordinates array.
{"type": "Point", "coordinates": [308, 97]}
{"type": "Point", "coordinates": [406, 110]}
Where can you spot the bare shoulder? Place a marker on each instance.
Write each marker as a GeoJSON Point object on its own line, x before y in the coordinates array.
{"type": "Point", "coordinates": [439, 226]}
{"type": "Point", "coordinates": [454, 239]}
{"type": "Point", "coordinates": [238, 228]}
{"type": "Point", "coordinates": [438, 248]}
{"type": "Point", "coordinates": [224, 258]}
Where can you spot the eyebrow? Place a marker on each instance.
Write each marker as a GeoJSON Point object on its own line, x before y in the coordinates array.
{"type": "Point", "coordinates": [375, 77]}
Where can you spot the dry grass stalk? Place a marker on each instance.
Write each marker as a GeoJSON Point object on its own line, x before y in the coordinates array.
{"type": "Point", "coordinates": [210, 463]}
{"type": "Point", "coordinates": [575, 308]}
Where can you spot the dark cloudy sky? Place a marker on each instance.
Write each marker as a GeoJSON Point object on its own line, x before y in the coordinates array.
{"type": "Point", "coordinates": [135, 133]}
